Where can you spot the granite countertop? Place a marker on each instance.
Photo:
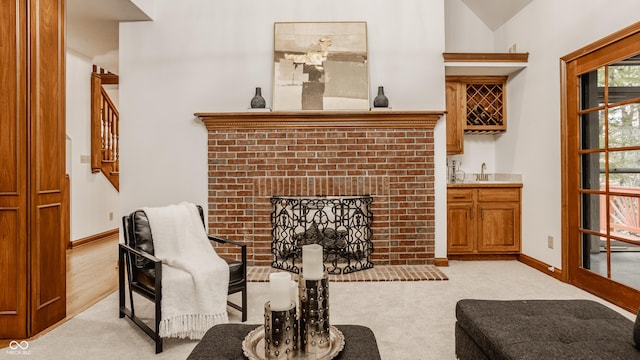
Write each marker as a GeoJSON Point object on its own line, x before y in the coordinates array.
{"type": "Point", "coordinates": [493, 180]}
{"type": "Point", "coordinates": [474, 184]}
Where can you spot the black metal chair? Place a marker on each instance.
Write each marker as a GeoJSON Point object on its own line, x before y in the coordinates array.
{"type": "Point", "coordinates": [144, 271]}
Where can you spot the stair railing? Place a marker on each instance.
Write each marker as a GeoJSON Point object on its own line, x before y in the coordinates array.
{"type": "Point", "coordinates": [104, 127]}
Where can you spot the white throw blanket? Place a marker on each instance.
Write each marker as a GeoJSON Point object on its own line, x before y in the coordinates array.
{"type": "Point", "coordinates": [195, 279]}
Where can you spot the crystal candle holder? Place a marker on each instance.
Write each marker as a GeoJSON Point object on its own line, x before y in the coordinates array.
{"type": "Point", "coordinates": [314, 315]}
{"type": "Point", "coordinates": [280, 333]}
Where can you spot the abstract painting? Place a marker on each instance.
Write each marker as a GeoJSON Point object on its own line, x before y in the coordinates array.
{"type": "Point", "coordinates": [320, 66]}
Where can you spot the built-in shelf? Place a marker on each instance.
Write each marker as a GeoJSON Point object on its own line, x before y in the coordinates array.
{"type": "Point", "coordinates": [484, 64]}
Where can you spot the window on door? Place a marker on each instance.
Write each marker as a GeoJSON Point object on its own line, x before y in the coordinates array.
{"type": "Point", "coordinates": [610, 171]}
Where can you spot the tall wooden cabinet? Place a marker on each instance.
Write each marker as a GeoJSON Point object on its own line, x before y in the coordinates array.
{"type": "Point", "coordinates": [455, 130]}
{"type": "Point", "coordinates": [33, 221]}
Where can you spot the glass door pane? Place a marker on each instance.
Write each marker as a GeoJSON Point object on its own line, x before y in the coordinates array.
{"type": "Point", "coordinates": [610, 171]}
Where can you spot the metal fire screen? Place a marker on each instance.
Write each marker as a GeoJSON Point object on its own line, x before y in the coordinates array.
{"type": "Point", "coordinates": [342, 225]}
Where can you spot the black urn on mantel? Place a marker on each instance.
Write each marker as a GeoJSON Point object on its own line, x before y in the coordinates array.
{"type": "Point", "coordinates": [257, 102]}
{"type": "Point", "coordinates": [381, 100]}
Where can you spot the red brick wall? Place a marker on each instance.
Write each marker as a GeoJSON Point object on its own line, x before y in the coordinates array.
{"type": "Point", "coordinates": [395, 167]}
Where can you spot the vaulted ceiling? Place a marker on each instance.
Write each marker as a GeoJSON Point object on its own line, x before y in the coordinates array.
{"type": "Point", "coordinates": [494, 13]}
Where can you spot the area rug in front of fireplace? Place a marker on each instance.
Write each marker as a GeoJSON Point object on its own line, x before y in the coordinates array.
{"type": "Point", "coordinates": [377, 273]}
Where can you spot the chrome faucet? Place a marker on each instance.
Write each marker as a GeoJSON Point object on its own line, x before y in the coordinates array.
{"type": "Point", "coordinates": [482, 176]}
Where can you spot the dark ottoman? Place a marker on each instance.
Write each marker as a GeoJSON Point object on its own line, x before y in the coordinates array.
{"type": "Point", "coordinates": [224, 342]}
{"type": "Point", "coordinates": [542, 329]}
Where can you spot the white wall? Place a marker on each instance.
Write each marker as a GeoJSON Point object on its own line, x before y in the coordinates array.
{"type": "Point", "coordinates": [206, 56]}
{"type": "Point", "coordinates": [548, 30]}
{"type": "Point", "coordinates": [465, 32]}
{"type": "Point", "coordinates": [92, 196]}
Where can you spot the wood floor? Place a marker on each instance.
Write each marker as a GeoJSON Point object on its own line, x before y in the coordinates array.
{"type": "Point", "coordinates": [92, 274]}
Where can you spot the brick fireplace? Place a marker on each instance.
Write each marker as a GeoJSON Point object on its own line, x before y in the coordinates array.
{"type": "Point", "coordinates": [387, 155]}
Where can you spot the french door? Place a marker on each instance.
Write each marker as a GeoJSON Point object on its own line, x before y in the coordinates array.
{"type": "Point", "coordinates": [601, 160]}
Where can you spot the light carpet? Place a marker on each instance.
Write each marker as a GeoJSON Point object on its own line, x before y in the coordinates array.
{"type": "Point", "coordinates": [377, 273]}
{"type": "Point", "coordinates": [412, 320]}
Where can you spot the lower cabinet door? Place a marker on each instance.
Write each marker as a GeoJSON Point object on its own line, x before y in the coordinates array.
{"type": "Point", "coordinates": [460, 228]}
{"type": "Point", "coordinates": [498, 227]}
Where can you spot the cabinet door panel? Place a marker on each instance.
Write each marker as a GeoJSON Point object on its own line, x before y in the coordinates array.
{"type": "Point", "coordinates": [455, 136]}
{"type": "Point", "coordinates": [460, 228]}
{"type": "Point", "coordinates": [499, 227]}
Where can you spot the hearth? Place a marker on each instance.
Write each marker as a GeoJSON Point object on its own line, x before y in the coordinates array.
{"type": "Point", "coordinates": [341, 224]}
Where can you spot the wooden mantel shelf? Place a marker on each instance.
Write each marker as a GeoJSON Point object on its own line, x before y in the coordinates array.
{"type": "Point", "coordinates": [320, 119]}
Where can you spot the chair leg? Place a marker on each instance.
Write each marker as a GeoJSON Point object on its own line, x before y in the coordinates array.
{"type": "Point", "coordinates": [158, 303]}
{"type": "Point", "coordinates": [244, 303]}
{"type": "Point", "coordinates": [121, 300]}
{"type": "Point", "coordinates": [157, 337]}
{"type": "Point", "coordinates": [158, 345]}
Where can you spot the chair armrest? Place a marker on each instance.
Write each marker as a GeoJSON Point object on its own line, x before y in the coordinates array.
{"type": "Point", "coordinates": [157, 265]}
{"type": "Point", "coordinates": [124, 248]}
{"type": "Point", "coordinates": [225, 241]}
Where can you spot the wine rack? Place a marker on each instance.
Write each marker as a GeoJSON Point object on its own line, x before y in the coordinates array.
{"type": "Point", "coordinates": [485, 105]}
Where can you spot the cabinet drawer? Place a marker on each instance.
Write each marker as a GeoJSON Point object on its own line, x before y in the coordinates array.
{"type": "Point", "coordinates": [459, 195]}
{"type": "Point", "coordinates": [499, 194]}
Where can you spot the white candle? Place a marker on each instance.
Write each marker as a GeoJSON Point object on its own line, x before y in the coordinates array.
{"type": "Point", "coordinates": [312, 264]}
{"type": "Point", "coordinates": [280, 291]}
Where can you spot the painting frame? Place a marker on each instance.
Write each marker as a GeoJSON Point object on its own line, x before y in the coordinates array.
{"type": "Point", "coordinates": [320, 66]}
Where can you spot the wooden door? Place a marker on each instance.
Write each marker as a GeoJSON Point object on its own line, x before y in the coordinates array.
{"type": "Point", "coordinates": [13, 160]}
{"type": "Point", "coordinates": [47, 241]}
{"type": "Point", "coordinates": [33, 224]}
{"type": "Point", "coordinates": [600, 165]}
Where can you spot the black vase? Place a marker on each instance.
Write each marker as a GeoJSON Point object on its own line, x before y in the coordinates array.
{"type": "Point", "coordinates": [381, 100]}
{"type": "Point", "coordinates": [257, 102]}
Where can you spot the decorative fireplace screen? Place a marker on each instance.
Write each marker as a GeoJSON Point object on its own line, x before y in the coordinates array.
{"type": "Point", "coordinates": [342, 225]}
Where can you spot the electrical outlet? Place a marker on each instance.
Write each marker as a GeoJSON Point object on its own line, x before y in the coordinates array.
{"type": "Point", "coordinates": [111, 215]}
{"type": "Point", "coordinates": [550, 241]}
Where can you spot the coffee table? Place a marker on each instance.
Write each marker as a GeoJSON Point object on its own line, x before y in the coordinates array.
{"type": "Point", "coordinates": [224, 341]}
